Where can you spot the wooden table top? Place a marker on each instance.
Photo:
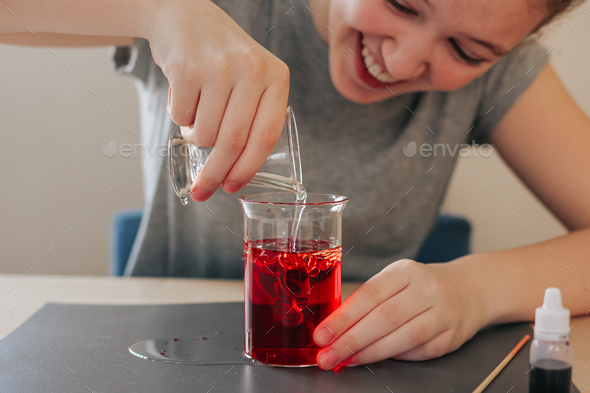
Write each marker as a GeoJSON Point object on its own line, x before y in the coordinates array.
{"type": "Point", "coordinates": [22, 295]}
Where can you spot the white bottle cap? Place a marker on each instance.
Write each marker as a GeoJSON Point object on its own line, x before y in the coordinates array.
{"type": "Point", "coordinates": [552, 321]}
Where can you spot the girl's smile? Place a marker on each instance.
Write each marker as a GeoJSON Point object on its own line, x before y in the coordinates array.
{"type": "Point", "coordinates": [380, 47]}
{"type": "Point", "coordinates": [370, 67]}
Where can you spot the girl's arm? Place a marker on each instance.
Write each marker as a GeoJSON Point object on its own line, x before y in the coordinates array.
{"type": "Point", "coordinates": [545, 139]}
{"type": "Point", "coordinates": [57, 39]}
{"type": "Point", "coordinates": [123, 18]}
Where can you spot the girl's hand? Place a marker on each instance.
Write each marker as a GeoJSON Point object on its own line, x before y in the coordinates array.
{"type": "Point", "coordinates": [226, 90]}
{"type": "Point", "coordinates": [409, 311]}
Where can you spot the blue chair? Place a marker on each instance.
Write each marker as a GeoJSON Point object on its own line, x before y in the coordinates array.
{"type": "Point", "coordinates": [448, 239]}
{"type": "Point", "coordinates": [124, 227]}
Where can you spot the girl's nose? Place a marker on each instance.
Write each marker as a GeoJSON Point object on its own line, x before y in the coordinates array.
{"type": "Point", "coordinates": [405, 58]}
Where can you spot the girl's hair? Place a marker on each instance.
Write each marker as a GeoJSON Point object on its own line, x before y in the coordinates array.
{"type": "Point", "coordinates": [553, 9]}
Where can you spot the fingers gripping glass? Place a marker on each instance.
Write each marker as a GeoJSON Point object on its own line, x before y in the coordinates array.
{"type": "Point", "coordinates": [281, 171]}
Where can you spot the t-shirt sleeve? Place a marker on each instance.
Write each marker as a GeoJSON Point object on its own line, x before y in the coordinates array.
{"type": "Point", "coordinates": [136, 60]}
{"type": "Point", "coordinates": [503, 84]}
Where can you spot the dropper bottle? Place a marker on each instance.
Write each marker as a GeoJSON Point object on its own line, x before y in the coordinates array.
{"type": "Point", "coordinates": [551, 356]}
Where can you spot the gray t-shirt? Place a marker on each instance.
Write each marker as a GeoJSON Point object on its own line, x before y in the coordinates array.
{"type": "Point", "coordinates": [346, 148]}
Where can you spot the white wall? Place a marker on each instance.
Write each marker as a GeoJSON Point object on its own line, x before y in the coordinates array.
{"type": "Point", "coordinates": [53, 170]}
{"type": "Point", "coordinates": [52, 165]}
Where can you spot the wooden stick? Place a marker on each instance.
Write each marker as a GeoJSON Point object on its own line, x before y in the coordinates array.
{"type": "Point", "coordinates": [504, 362]}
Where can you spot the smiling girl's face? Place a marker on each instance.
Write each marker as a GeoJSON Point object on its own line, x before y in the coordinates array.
{"type": "Point", "coordinates": [382, 46]}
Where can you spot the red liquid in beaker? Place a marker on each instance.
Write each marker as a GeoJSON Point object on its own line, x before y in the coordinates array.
{"type": "Point", "coordinates": [288, 294]}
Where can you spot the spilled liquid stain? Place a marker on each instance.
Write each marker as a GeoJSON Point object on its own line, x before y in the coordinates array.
{"type": "Point", "coordinates": [198, 350]}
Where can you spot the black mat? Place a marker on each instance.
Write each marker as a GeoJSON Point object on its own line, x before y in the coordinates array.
{"type": "Point", "coordinates": [84, 348]}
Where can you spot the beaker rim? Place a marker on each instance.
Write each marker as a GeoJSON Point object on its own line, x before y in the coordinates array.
{"type": "Point", "coordinates": [335, 199]}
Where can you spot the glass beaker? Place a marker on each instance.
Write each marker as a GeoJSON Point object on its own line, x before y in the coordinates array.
{"type": "Point", "coordinates": [290, 288]}
{"type": "Point", "coordinates": [282, 169]}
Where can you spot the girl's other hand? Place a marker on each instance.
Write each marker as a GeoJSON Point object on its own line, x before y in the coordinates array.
{"type": "Point", "coordinates": [226, 90]}
{"type": "Point", "coordinates": [408, 311]}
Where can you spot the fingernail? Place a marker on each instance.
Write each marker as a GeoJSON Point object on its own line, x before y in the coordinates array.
{"type": "Point", "coordinates": [323, 336]}
{"type": "Point", "coordinates": [327, 359]}
{"type": "Point", "coordinates": [231, 186]}
{"type": "Point", "coordinates": [200, 195]}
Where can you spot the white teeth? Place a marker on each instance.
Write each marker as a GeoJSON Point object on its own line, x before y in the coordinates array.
{"type": "Point", "coordinates": [375, 69]}
{"type": "Point", "coordinates": [386, 78]}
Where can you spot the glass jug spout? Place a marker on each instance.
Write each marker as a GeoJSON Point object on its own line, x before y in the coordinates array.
{"type": "Point", "coordinates": [281, 171]}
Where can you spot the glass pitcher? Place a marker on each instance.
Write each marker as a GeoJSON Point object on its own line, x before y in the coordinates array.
{"type": "Point", "coordinates": [282, 169]}
{"type": "Point", "coordinates": [290, 288]}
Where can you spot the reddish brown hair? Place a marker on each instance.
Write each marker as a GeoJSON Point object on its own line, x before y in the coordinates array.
{"type": "Point", "coordinates": [554, 8]}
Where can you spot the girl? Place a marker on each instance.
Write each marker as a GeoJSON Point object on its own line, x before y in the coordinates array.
{"type": "Point", "coordinates": [366, 78]}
